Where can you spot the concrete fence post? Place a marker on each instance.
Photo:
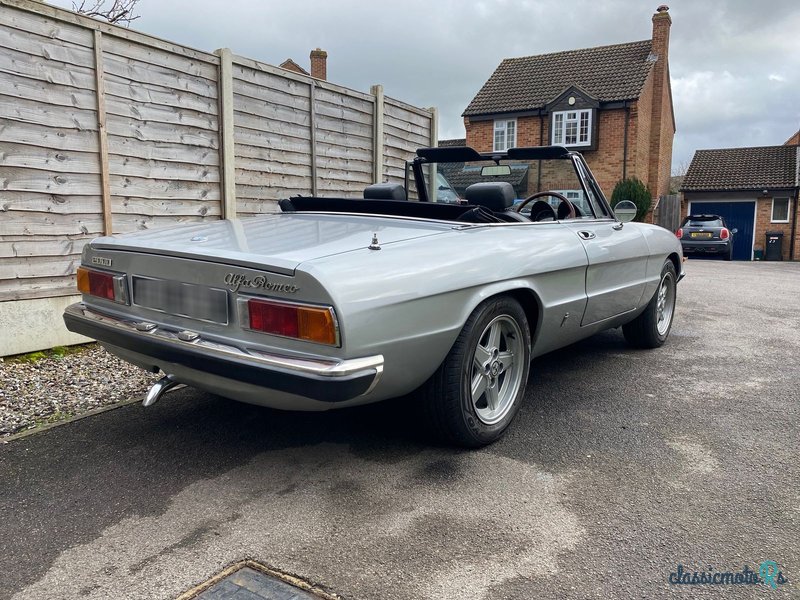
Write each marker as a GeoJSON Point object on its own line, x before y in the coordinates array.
{"type": "Point", "coordinates": [434, 141]}
{"type": "Point", "coordinates": [312, 124]}
{"type": "Point", "coordinates": [227, 149]}
{"type": "Point", "coordinates": [377, 134]}
{"type": "Point", "coordinates": [102, 133]}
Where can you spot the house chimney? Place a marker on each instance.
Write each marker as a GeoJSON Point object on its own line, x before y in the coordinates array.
{"type": "Point", "coordinates": [661, 25]}
{"type": "Point", "coordinates": [661, 120]}
{"type": "Point", "coordinates": [319, 64]}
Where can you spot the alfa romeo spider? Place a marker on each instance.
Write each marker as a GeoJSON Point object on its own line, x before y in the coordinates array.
{"type": "Point", "coordinates": [442, 289]}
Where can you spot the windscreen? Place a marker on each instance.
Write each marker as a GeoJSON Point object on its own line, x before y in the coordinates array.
{"type": "Point", "coordinates": [704, 222]}
{"type": "Point", "coordinates": [448, 182]}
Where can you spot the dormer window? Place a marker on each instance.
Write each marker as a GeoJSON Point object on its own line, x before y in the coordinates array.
{"type": "Point", "coordinates": [572, 128]}
{"type": "Point", "coordinates": [505, 134]}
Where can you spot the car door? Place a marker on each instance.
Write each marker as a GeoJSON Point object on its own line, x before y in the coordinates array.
{"type": "Point", "coordinates": [615, 277]}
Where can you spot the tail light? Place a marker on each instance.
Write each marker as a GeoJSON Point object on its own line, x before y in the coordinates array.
{"type": "Point", "coordinates": [102, 284]}
{"type": "Point", "coordinates": [679, 233]}
{"type": "Point", "coordinates": [289, 319]}
{"type": "Point", "coordinates": [724, 234]}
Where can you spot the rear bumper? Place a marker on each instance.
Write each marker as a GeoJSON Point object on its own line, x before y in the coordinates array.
{"type": "Point", "coordinates": [322, 380]}
{"type": "Point", "coordinates": [715, 247]}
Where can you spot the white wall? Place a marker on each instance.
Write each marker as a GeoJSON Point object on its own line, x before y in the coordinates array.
{"type": "Point", "coordinates": [30, 325]}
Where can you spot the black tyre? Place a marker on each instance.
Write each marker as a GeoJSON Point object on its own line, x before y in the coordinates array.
{"type": "Point", "coordinates": [729, 255]}
{"type": "Point", "coordinates": [477, 390]}
{"type": "Point", "coordinates": [651, 328]}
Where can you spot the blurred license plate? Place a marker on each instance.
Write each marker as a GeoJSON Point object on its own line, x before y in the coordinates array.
{"type": "Point", "coordinates": [702, 234]}
{"type": "Point", "coordinates": [182, 299]}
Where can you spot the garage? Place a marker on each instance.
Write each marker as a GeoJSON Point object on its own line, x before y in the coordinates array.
{"type": "Point", "coordinates": [739, 215]}
{"type": "Point", "coordinates": [756, 190]}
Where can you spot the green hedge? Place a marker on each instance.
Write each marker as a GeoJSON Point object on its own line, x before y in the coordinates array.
{"type": "Point", "coordinates": [634, 190]}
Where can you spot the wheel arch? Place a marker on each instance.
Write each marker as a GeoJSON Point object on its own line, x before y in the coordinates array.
{"type": "Point", "coordinates": [531, 304]}
{"type": "Point", "coordinates": [676, 262]}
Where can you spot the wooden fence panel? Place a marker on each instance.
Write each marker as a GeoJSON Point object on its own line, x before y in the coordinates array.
{"type": "Point", "coordinates": [668, 212]}
{"type": "Point", "coordinates": [344, 142]}
{"type": "Point", "coordinates": [172, 187]}
{"type": "Point", "coordinates": [103, 128]}
{"type": "Point", "coordinates": [272, 137]}
{"type": "Point", "coordinates": [405, 129]}
{"type": "Point", "coordinates": [49, 173]}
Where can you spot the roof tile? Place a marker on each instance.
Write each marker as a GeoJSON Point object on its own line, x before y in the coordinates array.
{"type": "Point", "coordinates": [609, 73]}
{"type": "Point", "coordinates": [742, 169]}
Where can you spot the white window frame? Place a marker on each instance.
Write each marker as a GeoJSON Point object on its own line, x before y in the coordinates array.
{"type": "Point", "coordinates": [559, 133]}
{"type": "Point", "coordinates": [772, 218]}
{"type": "Point", "coordinates": [501, 125]}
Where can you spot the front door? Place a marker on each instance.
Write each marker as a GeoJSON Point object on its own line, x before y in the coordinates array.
{"type": "Point", "coordinates": [615, 278]}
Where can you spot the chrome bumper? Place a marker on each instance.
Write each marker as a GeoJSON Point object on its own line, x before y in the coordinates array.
{"type": "Point", "coordinates": [327, 380]}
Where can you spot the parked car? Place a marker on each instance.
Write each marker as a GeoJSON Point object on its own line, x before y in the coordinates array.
{"type": "Point", "coordinates": [340, 302]}
{"type": "Point", "coordinates": [706, 235]}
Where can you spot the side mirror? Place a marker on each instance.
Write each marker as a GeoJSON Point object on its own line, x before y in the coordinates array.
{"type": "Point", "coordinates": [625, 211]}
{"type": "Point", "coordinates": [734, 230]}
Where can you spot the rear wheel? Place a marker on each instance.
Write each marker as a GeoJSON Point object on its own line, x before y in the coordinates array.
{"type": "Point", "coordinates": [651, 328]}
{"type": "Point", "coordinates": [477, 390]}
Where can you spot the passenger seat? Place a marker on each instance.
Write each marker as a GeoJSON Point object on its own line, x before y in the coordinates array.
{"type": "Point", "coordinates": [497, 196]}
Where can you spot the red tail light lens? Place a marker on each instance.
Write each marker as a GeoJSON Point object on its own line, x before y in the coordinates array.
{"type": "Point", "coordinates": [724, 234]}
{"type": "Point", "coordinates": [679, 233]}
{"type": "Point", "coordinates": [304, 322]}
{"type": "Point", "coordinates": [101, 284]}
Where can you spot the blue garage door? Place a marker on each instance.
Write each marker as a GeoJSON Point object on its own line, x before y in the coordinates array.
{"type": "Point", "coordinates": [738, 215]}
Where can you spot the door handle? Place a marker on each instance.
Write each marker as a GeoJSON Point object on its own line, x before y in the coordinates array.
{"type": "Point", "coordinates": [587, 235]}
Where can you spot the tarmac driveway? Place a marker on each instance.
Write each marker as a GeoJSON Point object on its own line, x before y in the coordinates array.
{"type": "Point", "coordinates": [621, 465]}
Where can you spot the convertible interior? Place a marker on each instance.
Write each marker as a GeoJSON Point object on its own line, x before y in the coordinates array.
{"type": "Point", "coordinates": [485, 202]}
{"type": "Point", "coordinates": [521, 185]}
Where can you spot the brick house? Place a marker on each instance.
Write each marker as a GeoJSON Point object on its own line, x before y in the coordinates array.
{"type": "Point", "coordinates": [754, 189]}
{"type": "Point", "coordinates": [794, 140]}
{"type": "Point", "coordinates": [611, 103]}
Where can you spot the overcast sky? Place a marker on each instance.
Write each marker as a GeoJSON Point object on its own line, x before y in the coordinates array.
{"type": "Point", "coordinates": [735, 64]}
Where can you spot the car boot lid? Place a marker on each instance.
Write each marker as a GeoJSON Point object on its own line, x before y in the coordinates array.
{"type": "Point", "coordinates": [282, 241]}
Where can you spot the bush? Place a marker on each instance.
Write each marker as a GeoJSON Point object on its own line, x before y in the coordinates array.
{"type": "Point", "coordinates": [634, 190]}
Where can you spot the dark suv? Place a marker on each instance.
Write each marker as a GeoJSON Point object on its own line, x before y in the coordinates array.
{"type": "Point", "coordinates": [706, 235]}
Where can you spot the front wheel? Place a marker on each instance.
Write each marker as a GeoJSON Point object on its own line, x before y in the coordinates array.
{"type": "Point", "coordinates": [651, 328]}
{"type": "Point", "coordinates": [477, 390]}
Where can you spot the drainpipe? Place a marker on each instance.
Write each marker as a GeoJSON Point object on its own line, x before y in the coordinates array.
{"type": "Point", "coordinates": [625, 141]}
{"type": "Point", "coordinates": [541, 143]}
{"type": "Point", "coordinates": [794, 223]}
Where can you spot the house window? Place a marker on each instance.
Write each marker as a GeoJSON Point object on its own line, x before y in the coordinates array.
{"type": "Point", "coordinates": [505, 135]}
{"type": "Point", "coordinates": [780, 210]}
{"type": "Point", "coordinates": [572, 128]}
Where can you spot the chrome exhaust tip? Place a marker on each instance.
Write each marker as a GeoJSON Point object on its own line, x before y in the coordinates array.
{"type": "Point", "coordinates": [159, 388]}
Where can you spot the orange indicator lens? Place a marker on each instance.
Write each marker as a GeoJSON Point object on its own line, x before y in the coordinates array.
{"type": "Point", "coordinates": [96, 283]}
{"type": "Point", "coordinates": [302, 322]}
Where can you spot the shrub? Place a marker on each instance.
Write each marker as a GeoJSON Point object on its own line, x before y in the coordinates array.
{"type": "Point", "coordinates": [634, 190]}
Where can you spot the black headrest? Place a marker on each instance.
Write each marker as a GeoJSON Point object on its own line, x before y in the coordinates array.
{"type": "Point", "coordinates": [497, 196]}
{"type": "Point", "coordinates": [385, 191]}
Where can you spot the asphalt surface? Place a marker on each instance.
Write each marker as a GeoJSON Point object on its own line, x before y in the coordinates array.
{"type": "Point", "coordinates": [621, 465]}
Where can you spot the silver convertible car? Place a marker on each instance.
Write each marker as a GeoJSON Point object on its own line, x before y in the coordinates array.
{"type": "Point", "coordinates": [447, 287]}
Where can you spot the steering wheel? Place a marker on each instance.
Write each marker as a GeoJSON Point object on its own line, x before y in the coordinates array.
{"type": "Point", "coordinates": [562, 201]}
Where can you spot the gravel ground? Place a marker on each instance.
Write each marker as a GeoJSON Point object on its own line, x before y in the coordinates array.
{"type": "Point", "coordinates": [52, 388]}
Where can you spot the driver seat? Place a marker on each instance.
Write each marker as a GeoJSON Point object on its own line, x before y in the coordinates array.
{"type": "Point", "coordinates": [497, 196]}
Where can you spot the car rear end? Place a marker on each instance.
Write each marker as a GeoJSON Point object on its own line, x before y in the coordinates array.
{"type": "Point", "coordinates": [705, 235]}
{"type": "Point", "coordinates": [226, 308]}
